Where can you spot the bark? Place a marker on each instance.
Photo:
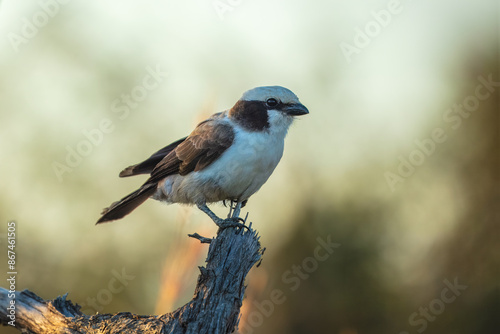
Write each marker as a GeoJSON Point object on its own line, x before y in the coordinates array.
{"type": "Point", "coordinates": [214, 308]}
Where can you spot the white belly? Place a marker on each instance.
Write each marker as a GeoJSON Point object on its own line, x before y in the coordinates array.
{"type": "Point", "coordinates": [238, 173]}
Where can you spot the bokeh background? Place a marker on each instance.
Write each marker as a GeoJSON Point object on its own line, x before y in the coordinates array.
{"type": "Point", "coordinates": [396, 164]}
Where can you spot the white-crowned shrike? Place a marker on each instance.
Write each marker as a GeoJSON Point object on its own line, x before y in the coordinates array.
{"type": "Point", "coordinates": [227, 157]}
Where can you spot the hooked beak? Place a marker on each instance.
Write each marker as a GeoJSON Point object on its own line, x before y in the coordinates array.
{"type": "Point", "coordinates": [295, 109]}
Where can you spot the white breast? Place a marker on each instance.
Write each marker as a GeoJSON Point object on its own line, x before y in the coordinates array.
{"type": "Point", "coordinates": [238, 173]}
{"type": "Point", "coordinates": [247, 164]}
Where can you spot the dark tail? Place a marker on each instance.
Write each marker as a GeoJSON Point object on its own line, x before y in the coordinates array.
{"type": "Point", "coordinates": [127, 204]}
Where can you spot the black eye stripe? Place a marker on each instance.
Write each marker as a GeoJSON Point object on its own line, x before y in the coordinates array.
{"type": "Point", "coordinates": [250, 114]}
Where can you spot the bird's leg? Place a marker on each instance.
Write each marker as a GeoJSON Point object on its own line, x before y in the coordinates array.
{"type": "Point", "coordinates": [237, 209]}
{"type": "Point", "coordinates": [229, 215]}
{"type": "Point", "coordinates": [203, 207]}
{"type": "Point", "coordinates": [234, 209]}
{"type": "Point", "coordinates": [222, 223]}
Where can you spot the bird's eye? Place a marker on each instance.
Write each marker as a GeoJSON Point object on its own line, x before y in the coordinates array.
{"type": "Point", "coordinates": [272, 102]}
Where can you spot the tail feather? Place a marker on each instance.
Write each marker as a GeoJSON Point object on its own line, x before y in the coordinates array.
{"type": "Point", "coordinates": [127, 204]}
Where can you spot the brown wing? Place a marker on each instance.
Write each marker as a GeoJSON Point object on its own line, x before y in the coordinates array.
{"type": "Point", "coordinates": [205, 144]}
{"type": "Point", "coordinates": [202, 147]}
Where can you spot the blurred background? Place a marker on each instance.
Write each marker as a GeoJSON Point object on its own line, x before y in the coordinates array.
{"type": "Point", "coordinates": [382, 216]}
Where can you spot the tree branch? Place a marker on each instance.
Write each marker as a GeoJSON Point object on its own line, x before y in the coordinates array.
{"type": "Point", "coordinates": [214, 308]}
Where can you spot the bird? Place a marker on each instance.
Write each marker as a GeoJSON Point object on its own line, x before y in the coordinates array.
{"type": "Point", "coordinates": [227, 157]}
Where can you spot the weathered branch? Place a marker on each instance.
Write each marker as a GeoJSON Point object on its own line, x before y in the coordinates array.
{"type": "Point", "coordinates": [214, 308]}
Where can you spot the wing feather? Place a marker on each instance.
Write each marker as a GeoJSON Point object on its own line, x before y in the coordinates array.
{"type": "Point", "coordinates": [201, 148]}
{"type": "Point", "coordinates": [147, 166]}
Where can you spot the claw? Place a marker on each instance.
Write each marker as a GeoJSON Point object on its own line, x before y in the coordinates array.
{"type": "Point", "coordinates": [230, 222]}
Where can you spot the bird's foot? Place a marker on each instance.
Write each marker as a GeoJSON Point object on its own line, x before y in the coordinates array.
{"type": "Point", "coordinates": [230, 222]}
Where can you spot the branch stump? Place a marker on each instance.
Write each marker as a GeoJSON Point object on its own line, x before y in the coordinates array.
{"type": "Point", "coordinates": [215, 306]}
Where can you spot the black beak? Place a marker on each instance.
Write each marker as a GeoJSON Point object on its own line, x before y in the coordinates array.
{"type": "Point", "coordinates": [295, 109]}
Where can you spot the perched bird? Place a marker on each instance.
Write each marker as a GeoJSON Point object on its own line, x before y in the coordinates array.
{"type": "Point", "coordinates": [227, 157]}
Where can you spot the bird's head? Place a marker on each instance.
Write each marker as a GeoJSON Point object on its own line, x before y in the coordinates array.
{"type": "Point", "coordinates": [267, 108]}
